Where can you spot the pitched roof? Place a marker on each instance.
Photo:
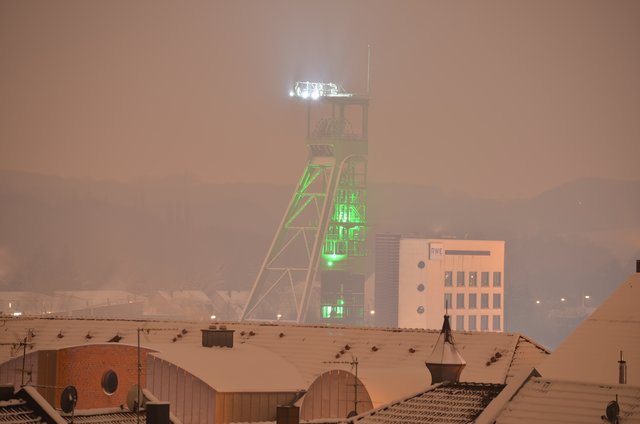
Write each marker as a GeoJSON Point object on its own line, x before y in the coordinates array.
{"type": "Point", "coordinates": [442, 403]}
{"type": "Point", "coordinates": [391, 360]}
{"type": "Point", "coordinates": [543, 400]}
{"type": "Point", "coordinates": [591, 352]}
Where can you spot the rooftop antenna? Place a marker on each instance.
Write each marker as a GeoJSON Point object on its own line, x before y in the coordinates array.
{"type": "Point", "coordinates": [354, 363]}
{"type": "Point", "coordinates": [368, 68]}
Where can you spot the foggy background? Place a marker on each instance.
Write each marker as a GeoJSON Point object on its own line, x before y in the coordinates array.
{"type": "Point", "coordinates": [152, 144]}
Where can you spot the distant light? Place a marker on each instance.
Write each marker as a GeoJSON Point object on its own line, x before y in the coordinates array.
{"type": "Point", "coordinates": [537, 302]}
{"type": "Point", "coordinates": [279, 316]}
{"type": "Point", "coordinates": [291, 93]}
{"type": "Point", "coordinates": [17, 314]}
{"type": "Point", "coordinates": [587, 297]}
{"type": "Point", "coordinates": [329, 263]}
{"type": "Point", "coordinates": [372, 312]}
{"type": "Point", "coordinates": [213, 317]}
{"type": "Point", "coordinates": [562, 299]}
{"type": "Point", "coordinates": [9, 305]}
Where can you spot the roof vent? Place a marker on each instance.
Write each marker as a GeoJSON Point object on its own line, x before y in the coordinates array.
{"type": "Point", "coordinates": [622, 369]}
{"type": "Point", "coordinates": [445, 363]}
{"type": "Point", "coordinates": [217, 337]}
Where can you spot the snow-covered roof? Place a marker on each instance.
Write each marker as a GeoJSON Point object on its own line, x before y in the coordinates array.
{"type": "Point", "coordinates": [442, 403]}
{"type": "Point", "coordinates": [391, 361]}
{"type": "Point", "coordinates": [542, 400]}
{"type": "Point", "coordinates": [17, 411]}
{"type": "Point", "coordinates": [243, 368]}
{"type": "Point", "coordinates": [592, 351]}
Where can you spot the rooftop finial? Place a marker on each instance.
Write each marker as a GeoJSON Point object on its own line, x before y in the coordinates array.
{"type": "Point", "coordinates": [445, 362]}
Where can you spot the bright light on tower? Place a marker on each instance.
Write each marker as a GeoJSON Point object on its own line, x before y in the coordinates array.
{"type": "Point", "coordinates": [315, 90]}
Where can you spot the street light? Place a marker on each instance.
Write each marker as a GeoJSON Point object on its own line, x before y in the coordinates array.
{"type": "Point", "coordinates": [279, 316]}
{"type": "Point", "coordinates": [213, 317]}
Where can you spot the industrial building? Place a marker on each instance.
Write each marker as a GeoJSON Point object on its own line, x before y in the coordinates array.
{"type": "Point", "coordinates": [419, 279]}
{"type": "Point", "coordinates": [321, 239]}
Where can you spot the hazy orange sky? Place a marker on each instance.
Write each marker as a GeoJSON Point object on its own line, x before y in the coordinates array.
{"type": "Point", "coordinates": [493, 98]}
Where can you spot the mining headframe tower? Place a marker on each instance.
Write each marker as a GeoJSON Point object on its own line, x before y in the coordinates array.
{"type": "Point", "coordinates": [321, 238]}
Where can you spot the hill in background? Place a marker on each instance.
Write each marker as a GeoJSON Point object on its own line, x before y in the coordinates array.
{"type": "Point", "coordinates": [578, 239]}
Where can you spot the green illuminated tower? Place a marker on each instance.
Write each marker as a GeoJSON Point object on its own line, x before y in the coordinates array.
{"type": "Point", "coordinates": [321, 239]}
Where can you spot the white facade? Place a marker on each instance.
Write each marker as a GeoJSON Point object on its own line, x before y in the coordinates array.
{"type": "Point", "coordinates": [466, 275]}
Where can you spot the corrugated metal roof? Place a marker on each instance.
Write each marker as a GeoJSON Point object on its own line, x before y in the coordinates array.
{"type": "Point", "coordinates": [542, 400]}
{"type": "Point", "coordinates": [446, 403]}
{"type": "Point", "coordinates": [391, 361]}
{"type": "Point", "coordinates": [592, 351]}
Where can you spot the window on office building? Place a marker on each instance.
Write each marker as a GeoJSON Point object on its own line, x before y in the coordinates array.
{"type": "Point", "coordinates": [448, 278]}
{"type": "Point", "coordinates": [497, 279]}
{"type": "Point", "coordinates": [484, 279]}
{"type": "Point", "coordinates": [472, 323]}
{"type": "Point", "coordinates": [460, 322]}
{"type": "Point", "coordinates": [460, 279]}
{"type": "Point", "coordinates": [496, 323]}
{"type": "Point", "coordinates": [472, 301]}
{"type": "Point", "coordinates": [484, 322]}
{"type": "Point", "coordinates": [496, 301]}
{"type": "Point", "coordinates": [484, 301]}
{"type": "Point", "coordinates": [460, 301]}
{"type": "Point", "coordinates": [447, 300]}
{"type": "Point", "coordinates": [473, 279]}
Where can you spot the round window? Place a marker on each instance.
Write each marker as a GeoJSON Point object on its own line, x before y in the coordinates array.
{"type": "Point", "coordinates": [421, 264]}
{"type": "Point", "coordinates": [109, 382]}
{"type": "Point", "coordinates": [420, 309]}
{"type": "Point", "coordinates": [420, 287]}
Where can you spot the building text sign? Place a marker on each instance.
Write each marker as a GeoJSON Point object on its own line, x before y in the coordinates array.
{"type": "Point", "coordinates": [436, 251]}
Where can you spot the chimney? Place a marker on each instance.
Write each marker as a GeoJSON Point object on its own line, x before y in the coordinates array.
{"type": "Point", "coordinates": [287, 414]}
{"type": "Point", "coordinates": [6, 391]}
{"type": "Point", "coordinates": [445, 363]}
{"type": "Point", "coordinates": [218, 337]}
{"type": "Point", "coordinates": [622, 370]}
{"type": "Point", "coordinates": [158, 413]}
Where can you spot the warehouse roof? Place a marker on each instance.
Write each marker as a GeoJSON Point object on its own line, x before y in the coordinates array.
{"type": "Point", "coordinates": [391, 360]}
